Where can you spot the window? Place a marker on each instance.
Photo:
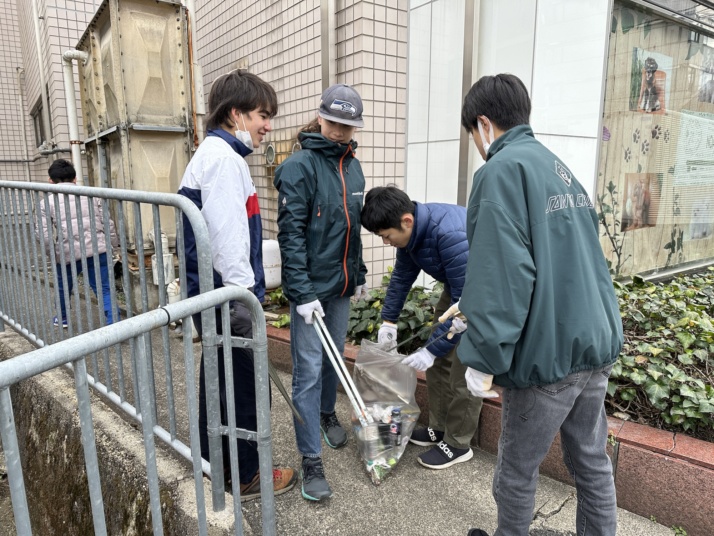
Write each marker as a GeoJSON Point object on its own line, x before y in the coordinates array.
{"type": "Point", "coordinates": [38, 124]}
{"type": "Point", "coordinates": [656, 184]}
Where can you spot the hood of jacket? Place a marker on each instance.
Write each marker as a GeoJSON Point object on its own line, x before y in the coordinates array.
{"type": "Point", "coordinates": [320, 197]}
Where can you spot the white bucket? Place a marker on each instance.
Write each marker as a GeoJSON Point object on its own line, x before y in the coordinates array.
{"type": "Point", "coordinates": [168, 264]}
{"type": "Point", "coordinates": [173, 291]}
{"type": "Point", "coordinates": [271, 264]}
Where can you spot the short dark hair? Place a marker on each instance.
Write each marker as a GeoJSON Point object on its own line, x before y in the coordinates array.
{"type": "Point", "coordinates": [502, 98]}
{"type": "Point", "coordinates": [62, 171]}
{"type": "Point", "coordinates": [384, 207]}
{"type": "Point", "coordinates": [241, 90]}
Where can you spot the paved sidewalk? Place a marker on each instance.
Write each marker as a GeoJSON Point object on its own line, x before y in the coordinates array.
{"type": "Point", "coordinates": [412, 500]}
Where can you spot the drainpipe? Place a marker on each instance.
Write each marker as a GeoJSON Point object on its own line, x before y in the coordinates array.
{"type": "Point", "coordinates": [41, 70]}
{"type": "Point", "coordinates": [71, 100]}
{"type": "Point", "coordinates": [21, 99]}
{"type": "Point", "coordinates": [328, 47]}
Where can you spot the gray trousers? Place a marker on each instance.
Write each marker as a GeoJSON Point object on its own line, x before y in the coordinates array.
{"type": "Point", "coordinates": [452, 409]}
{"type": "Point", "coordinates": [530, 420]}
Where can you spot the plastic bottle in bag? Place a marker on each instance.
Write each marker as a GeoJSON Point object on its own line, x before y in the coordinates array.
{"type": "Point", "coordinates": [395, 427]}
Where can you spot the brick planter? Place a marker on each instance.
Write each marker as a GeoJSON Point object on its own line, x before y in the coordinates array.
{"type": "Point", "coordinates": [661, 474]}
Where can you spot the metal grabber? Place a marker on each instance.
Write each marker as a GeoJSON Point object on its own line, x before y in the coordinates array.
{"type": "Point", "coordinates": [341, 369]}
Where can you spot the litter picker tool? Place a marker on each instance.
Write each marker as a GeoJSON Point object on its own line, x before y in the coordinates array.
{"type": "Point", "coordinates": [428, 329]}
{"type": "Point", "coordinates": [279, 384]}
{"type": "Point", "coordinates": [342, 373]}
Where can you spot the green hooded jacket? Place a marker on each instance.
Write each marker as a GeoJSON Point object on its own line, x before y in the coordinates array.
{"type": "Point", "coordinates": [538, 296]}
{"type": "Point", "coordinates": [320, 197]}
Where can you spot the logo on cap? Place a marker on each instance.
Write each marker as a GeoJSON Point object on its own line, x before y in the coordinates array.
{"type": "Point", "coordinates": [343, 106]}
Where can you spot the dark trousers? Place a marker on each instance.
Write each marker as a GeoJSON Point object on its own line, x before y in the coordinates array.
{"type": "Point", "coordinates": [244, 394]}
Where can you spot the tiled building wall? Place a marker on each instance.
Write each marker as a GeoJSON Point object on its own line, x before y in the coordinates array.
{"type": "Point", "coordinates": [281, 42]}
{"type": "Point", "coordinates": [12, 148]}
{"type": "Point", "coordinates": [372, 56]}
{"type": "Point", "coordinates": [61, 24]}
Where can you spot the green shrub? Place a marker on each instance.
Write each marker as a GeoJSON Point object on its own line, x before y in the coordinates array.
{"type": "Point", "coordinates": [665, 375]}
{"type": "Point", "coordinates": [417, 314]}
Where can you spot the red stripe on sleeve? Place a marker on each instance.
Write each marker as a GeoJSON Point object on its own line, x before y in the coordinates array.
{"type": "Point", "coordinates": [252, 206]}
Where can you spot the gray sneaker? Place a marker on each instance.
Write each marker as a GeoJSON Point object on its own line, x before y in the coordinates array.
{"type": "Point", "coordinates": [335, 436]}
{"type": "Point", "coordinates": [314, 483]}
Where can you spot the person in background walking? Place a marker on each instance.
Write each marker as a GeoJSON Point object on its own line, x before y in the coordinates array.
{"type": "Point", "coordinates": [66, 231]}
{"type": "Point", "coordinates": [543, 320]}
{"type": "Point", "coordinates": [429, 237]}
{"type": "Point", "coordinates": [320, 195]}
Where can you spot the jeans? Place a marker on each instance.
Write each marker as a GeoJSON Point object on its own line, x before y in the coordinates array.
{"type": "Point", "coordinates": [243, 392]}
{"type": "Point", "coordinates": [314, 378]}
{"type": "Point", "coordinates": [530, 420]}
{"type": "Point", "coordinates": [104, 274]}
{"type": "Point", "coordinates": [452, 408]}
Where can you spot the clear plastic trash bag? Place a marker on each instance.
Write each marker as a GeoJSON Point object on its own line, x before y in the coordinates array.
{"type": "Point", "coordinates": [385, 385]}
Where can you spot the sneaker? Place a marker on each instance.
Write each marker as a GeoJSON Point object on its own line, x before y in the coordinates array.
{"type": "Point", "coordinates": [335, 436]}
{"type": "Point", "coordinates": [444, 455]}
{"type": "Point", "coordinates": [284, 479]}
{"type": "Point", "coordinates": [426, 437]}
{"type": "Point", "coordinates": [477, 532]}
{"type": "Point", "coordinates": [314, 483]}
{"type": "Point", "coordinates": [55, 322]}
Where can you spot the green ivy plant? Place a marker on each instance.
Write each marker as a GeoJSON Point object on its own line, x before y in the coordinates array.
{"type": "Point", "coordinates": [665, 374]}
{"type": "Point", "coordinates": [276, 299]}
{"type": "Point", "coordinates": [416, 315]}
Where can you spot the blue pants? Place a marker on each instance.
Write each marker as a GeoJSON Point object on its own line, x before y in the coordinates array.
{"type": "Point", "coordinates": [104, 274]}
{"type": "Point", "coordinates": [530, 420]}
{"type": "Point", "coordinates": [314, 378]}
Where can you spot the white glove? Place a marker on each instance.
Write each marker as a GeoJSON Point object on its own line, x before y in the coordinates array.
{"type": "Point", "coordinates": [305, 310]}
{"type": "Point", "coordinates": [361, 292]}
{"type": "Point", "coordinates": [458, 324]}
{"type": "Point", "coordinates": [479, 384]}
{"type": "Point", "coordinates": [387, 334]}
{"type": "Point", "coordinates": [422, 359]}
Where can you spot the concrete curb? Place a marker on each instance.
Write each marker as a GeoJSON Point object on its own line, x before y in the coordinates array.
{"type": "Point", "coordinates": [658, 474]}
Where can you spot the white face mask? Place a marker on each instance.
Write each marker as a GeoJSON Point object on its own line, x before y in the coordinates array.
{"type": "Point", "coordinates": [486, 142]}
{"type": "Point", "coordinates": [244, 136]}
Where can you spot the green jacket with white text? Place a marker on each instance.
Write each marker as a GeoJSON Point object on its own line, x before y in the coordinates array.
{"type": "Point", "coordinates": [538, 296]}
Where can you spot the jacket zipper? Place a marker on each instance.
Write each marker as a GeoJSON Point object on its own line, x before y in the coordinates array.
{"type": "Point", "coordinates": [349, 223]}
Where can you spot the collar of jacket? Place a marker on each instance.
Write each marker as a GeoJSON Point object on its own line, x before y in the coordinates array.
{"type": "Point", "coordinates": [418, 231]}
{"type": "Point", "coordinates": [231, 140]}
{"type": "Point", "coordinates": [317, 142]}
{"type": "Point", "coordinates": [509, 137]}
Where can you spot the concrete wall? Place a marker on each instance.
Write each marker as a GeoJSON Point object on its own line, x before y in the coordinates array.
{"type": "Point", "coordinates": [49, 439]}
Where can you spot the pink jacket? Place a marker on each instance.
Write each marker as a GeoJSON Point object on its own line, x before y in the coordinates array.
{"type": "Point", "coordinates": [61, 232]}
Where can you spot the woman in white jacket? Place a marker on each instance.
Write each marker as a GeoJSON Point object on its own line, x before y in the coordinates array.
{"type": "Point", "coordinates": [61, 171]}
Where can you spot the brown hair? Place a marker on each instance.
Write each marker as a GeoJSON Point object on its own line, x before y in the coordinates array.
{"type": "Point", "coordinates": [241, 90]}
{"type": "Point", "coordinates": [312, 126]}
